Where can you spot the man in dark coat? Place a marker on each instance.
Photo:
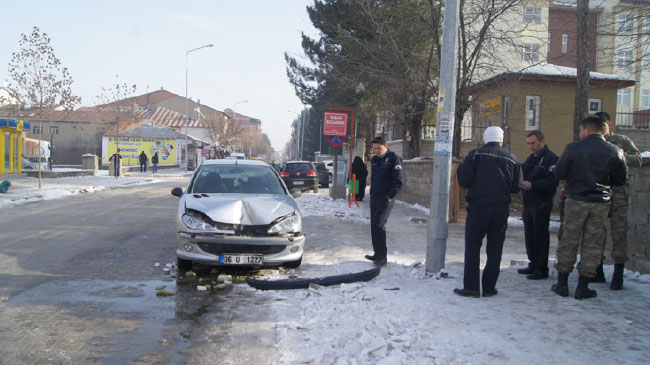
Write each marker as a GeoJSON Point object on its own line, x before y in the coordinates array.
{"type": "Point", "coordinates": [540, 184]}
{"type": "Point", "coordinates": [589, 168]}
{"type": "Point", "coordinates": [116, 159]}
{"type": "Point", "coordinates": [154, 162]}
{"type": "Point", "coordinates": [491, 173]}
{"type": "Point", "coordinates": [143, 161]}
{"type": "Point", "coordinates": [361, 172]}
{"type": "Point", "coordinates": [386, 182]}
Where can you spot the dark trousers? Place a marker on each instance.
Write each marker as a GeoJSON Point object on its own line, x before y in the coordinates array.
{"type": "Point", "coordinates": [536, 216]}
{"type": "Point", "coordinates": [380, 209]}
{"type": "Point", "coordinates": [483, 219]}
{"type": "Point", "coordinates": [143, 167]}
{"type": "Point", "coordinates": [362, 189]}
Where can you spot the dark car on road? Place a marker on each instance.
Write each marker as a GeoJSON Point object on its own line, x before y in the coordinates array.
{"type": "Point", "coordinates": [300, 175]}
{"type": "Point", "coordinates": [323, 174]}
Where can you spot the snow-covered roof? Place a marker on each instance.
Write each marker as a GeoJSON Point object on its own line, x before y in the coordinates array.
{"type": "Point", "coordinates": [553, 72]}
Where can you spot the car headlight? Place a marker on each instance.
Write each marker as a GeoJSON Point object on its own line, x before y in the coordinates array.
{"type": "Point", "coordinates": [197, 223]}
{"type": "Point", "coordinates": [291, 223]}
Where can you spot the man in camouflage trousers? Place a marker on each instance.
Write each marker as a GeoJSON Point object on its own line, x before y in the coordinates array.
{"type": "Point", "coordinates": [589, 168]}
{"type": "Point", "coordinates": [618, 211]}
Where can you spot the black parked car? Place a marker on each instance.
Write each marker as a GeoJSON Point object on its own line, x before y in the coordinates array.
{"type": "Point", "coordinates": [300, 175]}
{"type": "Point", "coordinates": [323, 174]}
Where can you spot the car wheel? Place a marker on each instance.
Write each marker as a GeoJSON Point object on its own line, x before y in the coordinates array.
{"type": "Point", "coordinates": [183, 265]}
{"type": "Point", "coordinates": [329, 178]}
{"type": "Point", "coordinates": [293, 264]}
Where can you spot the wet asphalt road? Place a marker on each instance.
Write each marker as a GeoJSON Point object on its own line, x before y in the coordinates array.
{"type": "Point", "coordinates": [78, 285]}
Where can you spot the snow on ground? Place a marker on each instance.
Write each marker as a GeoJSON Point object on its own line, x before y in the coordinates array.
{"type": "Point", "coordinates": [25, 190]}
{"type": "Point", "coordinates": [407, 317]}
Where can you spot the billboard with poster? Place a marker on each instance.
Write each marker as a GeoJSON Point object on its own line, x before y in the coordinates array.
{"type": "Point", "coordinates": [131, 147]}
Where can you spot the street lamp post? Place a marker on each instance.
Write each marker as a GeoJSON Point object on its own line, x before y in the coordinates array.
{"type": "Point", "coordinates": [187, 149]}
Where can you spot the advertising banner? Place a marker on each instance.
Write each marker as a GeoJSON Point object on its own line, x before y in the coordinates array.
{"type": "Point", "coordinates": [131, 147]}
{"type": "Point", "coordinates": [335, 124]}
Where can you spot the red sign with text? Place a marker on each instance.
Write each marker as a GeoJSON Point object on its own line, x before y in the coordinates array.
{"type": "Point", "coordinates": [336, 124]}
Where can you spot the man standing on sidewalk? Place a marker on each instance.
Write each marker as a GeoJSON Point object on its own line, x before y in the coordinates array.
{"type": "Point", "coordinates": [491, 173]}
{"type": "Point", "coordinates": [539, 187]}
{"type": "Point", "coordinates": [589, 168]}
{"type": "Point", "coordinates": [386, 182]}
{"type": "Point", "coordinates": [116, 158]}
{"type": "Point", "coordinates": [618, 211]}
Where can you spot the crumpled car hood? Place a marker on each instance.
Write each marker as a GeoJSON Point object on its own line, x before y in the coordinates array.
{"type": "Point", "coordinates": [242, 209]}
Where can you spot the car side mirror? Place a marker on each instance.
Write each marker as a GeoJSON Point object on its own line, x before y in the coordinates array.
{"type": "Point", "coordinates": [296, 193]}
{"type": "Point", "coordinates": [177, 192]}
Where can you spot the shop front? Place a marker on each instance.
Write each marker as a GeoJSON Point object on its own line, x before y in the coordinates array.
{"type": "Point", "coordinates": [11, 145]}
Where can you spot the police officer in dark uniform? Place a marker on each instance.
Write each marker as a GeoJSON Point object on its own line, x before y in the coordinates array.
{"type": "Point", "coordinates": [386, 182]}
{"type": "Point", "coordinates": [491, 173]}
{"type": "Point", "coordinates": [540, 184]}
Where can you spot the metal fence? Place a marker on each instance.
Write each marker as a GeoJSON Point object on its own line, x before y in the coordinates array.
{"type": "Point", "coordinates": [637, 119]}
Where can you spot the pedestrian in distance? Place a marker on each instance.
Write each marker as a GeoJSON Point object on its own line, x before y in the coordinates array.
{"type": "Point", "coordinates": [589, 168]}
{"type": "Point", "coordinates": [618, 210]}
{"type": "Point", "coordinates": [143, 161]}
{"type": "Point", "coordinates": [385, 183]}
{"type": "Point", "coordinates": [116, 158]}
{"type": "Point", "coordinates": [490, 173]}
{"type": "Point", "coordinates": [360, 170]}
{"type": "Point", "coordinates": [539, 186]}
{"type": "Point", "coordinates": [154, 162]}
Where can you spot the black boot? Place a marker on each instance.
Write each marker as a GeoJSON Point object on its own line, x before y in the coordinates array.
{"type": "Point", "coordinates": [562, 286]}
{"type": "Point", "coordinates": [582, 290]}
{"type": "Point", "coordinates": [617, 277]}
{"type": "Point", "coordinates": [528, 270]}
{"type": "Point", "coordinates": [600, 275]}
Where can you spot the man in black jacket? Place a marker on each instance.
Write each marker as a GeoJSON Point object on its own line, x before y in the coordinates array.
{"type": "Point", "coordinates": [589, 168]}
{"type": "Point", "coordinates": [491, 173]}
{"type": "Point", "coordinates": [539, 188]}
{"type": "Point", "coordinates": [386, 182]}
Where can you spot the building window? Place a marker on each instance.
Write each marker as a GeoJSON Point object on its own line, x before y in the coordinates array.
{"type": "Point", "coordinates": [530, 52]}
{"type": "Point", "coordinates": [646, 25]}
{"type": "Point", "coordinates": [548, 43]}
{"type": "Point", "coordinates": [36, 129]}
{"type": "Point", "coordinates": [625, 22]}
{"type": "Point", "coordinates": [623, 97]}
{"type": "Point", "coordinates": [565, 43]}
{"type": "Point", "coordinates": [646, 61]}
{"type": "Point", "coordinates": [532, 14]}
{"type": "Point", "coordinates": [595, 105]}
{"type": "Point", "coordinates": [645, 98]}
{"type": "Point", "coordinates": [624, 59]}
{"type": "Point", "coordinates": [54, 129]}
{"type": "Point", "coordinates": [533, 106]}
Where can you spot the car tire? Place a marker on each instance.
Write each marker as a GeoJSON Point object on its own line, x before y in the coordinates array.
{"type": "Point", "coordinates": [183, 265]}
{"type": "Point", "coordinates": [293, 264]}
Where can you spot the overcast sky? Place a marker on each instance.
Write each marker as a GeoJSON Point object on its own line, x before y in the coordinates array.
{"type": "Point", "coordinates": [145, 42]}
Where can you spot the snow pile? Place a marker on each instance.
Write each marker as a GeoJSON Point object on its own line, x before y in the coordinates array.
{"type": "Point", "coordinates": [645, 154]}
{"type": "Point", "coordinates": [322, 205]}
{"type": "Point", "coordinates": [24, 191]}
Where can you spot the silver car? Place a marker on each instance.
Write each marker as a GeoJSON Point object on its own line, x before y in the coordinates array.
{"type": "Point", "coordinates": [238, 212]}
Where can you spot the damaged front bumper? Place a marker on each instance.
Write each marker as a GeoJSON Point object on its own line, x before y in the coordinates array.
{"type": "Point", "coordinates": [207, 248]}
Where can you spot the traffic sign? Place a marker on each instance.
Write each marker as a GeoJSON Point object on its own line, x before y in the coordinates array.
{"type": "Point", "coordinates": [335, 141]}
{"type": "Point", "coordinates": [335, 124]}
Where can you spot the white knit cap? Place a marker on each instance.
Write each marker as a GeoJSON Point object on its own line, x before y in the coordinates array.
{"type": "Point", "coordinates": [493, 134]}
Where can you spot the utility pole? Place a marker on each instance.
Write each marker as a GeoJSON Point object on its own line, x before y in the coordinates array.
{"type": "Point", "coordinates": [437, 227]}
{"type": "Point", "coordinates": [302, 137]}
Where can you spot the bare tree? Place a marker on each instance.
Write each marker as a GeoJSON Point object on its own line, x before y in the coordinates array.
{"type": "Point", "coordinates": [37, 78]}
{"type": "Point", "coordinates": [111, 110]}
{"type": "Point", "coordinates": [223, 131]}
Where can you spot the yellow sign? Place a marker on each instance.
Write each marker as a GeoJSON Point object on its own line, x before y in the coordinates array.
{"type": "Point", "coordinates": [131, 147]}
{"type": "Point", "coordinates": [491, 106]}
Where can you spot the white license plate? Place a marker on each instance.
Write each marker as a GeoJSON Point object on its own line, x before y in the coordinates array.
{"type": "Point", "coordinates": [241, 259]}
{"type": "Point", "coordinates": [298, 183]}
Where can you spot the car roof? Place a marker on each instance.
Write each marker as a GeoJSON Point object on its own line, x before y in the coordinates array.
{"type": "Point", "coordinates": [299, 162]}
{"type": "Point", "coordinates": [234, 162]}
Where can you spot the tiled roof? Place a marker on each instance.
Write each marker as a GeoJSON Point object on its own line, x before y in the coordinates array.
{"type": "Point", "coordinates": [146, 99]}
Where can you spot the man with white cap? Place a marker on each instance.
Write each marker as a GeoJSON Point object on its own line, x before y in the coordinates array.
{"type": "Point", "coordinates": [491, 173]}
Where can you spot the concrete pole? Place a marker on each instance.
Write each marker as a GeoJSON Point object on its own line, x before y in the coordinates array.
{"type": "Point", "coordinates": [187, 149]}
{"type": "Point", "coordinates": [437, 227]}
{"type": "Point", "coordinates": [302, 136]}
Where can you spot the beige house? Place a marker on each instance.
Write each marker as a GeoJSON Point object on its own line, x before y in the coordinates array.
{"type": "Point", "coordinates": [537, 97]}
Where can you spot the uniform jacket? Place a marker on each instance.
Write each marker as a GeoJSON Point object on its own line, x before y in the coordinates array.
{"type": "Point", "coordinates": [590, 167]}
{"type": "Point", "coordinates": [632, 154]}
{"type": "Point", "coordinates": [386, 175]}
{"type": "Point", "coordinates": [491, 173]}
{"type": "Point", "coordinates": [540, 171]}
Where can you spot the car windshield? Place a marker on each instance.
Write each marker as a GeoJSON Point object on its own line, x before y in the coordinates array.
{"type": "Point", "coordinates": [298, 167]}
{"type": "Point", "coordinates": [236, 179]}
